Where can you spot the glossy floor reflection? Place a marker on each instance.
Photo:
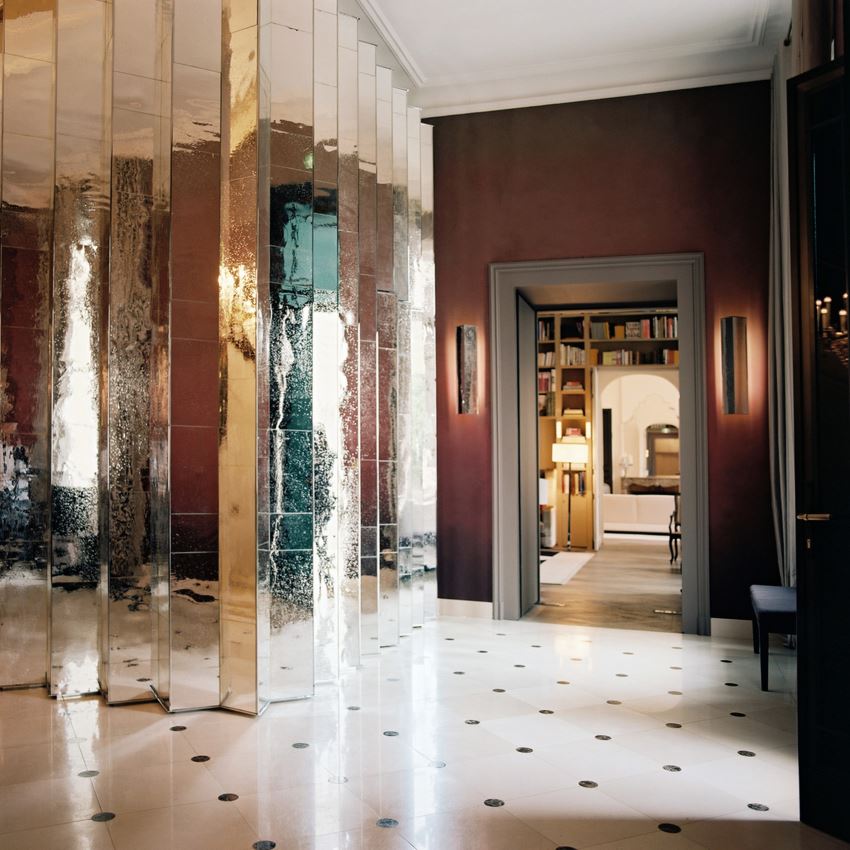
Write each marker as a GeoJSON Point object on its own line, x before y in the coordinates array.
{"type": "Point", "coordinates": [572, 734]}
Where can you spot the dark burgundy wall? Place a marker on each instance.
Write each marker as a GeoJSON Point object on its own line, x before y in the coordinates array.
{"type": "Point", "coordinates": [660, 173]}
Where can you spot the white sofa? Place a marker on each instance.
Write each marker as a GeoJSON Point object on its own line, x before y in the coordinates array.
{"type": "Point", "coordinates": [643, 514]}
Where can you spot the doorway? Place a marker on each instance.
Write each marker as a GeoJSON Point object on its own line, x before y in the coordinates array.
{"type": "Point", "coordinates": [611, 281]}
{"type": "Point", "coordinates": [609, 466]}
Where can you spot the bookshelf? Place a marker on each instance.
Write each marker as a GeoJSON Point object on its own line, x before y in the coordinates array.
{"type": "Point", "coordinates": [570, 344]}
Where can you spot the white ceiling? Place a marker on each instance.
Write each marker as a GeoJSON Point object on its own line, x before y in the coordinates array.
{"type": "Point", "coordinates": [474, 55]}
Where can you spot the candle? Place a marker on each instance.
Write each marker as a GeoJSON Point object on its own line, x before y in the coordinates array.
{"type": "Point", "coordinates": [842, 321]}
{"type": "Point", "coordinates": [824, 320]}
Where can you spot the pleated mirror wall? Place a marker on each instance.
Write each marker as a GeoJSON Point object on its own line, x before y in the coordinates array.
{"type": "Point", "coordinates": [217, 364]}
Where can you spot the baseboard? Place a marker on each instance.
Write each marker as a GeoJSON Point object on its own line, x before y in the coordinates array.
{"type": "Point", "coordinates": [740, 629]}
{"type": "Point", "coordinates": [464, 608]}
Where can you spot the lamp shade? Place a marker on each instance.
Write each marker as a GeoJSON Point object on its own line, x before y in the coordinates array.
{"type": "Point", "coordinates": [569, 452]}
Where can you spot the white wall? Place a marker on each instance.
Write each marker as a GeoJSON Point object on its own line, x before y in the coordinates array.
{"type": "Point", "coordinates": [637, 400]}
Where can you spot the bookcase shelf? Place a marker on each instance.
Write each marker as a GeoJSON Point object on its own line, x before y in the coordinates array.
{"type": "Point", "coordinates": [590, 337]}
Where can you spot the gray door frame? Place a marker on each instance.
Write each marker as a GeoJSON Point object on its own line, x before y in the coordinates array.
{"type": "Point", "coordinates": [505, 281]}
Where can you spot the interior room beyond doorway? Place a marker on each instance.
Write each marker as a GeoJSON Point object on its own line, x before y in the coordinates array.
{"type": "Point", "coordinates": [609, 477]}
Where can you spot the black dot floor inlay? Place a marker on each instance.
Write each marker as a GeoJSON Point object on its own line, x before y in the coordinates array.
{"type": "Point", "coordinates": [545, 711]}
{"type": "Point", "coordinates": [622, 675]}
{"type": "Point", "coordinates": [524, 750]}
{"type": "Point", "coordinates": [101, 817]}
{"type": "Point", "coordinates": [459, 673]}
{"type": "Point", "coordinates": [564, 847]}
{"type": "Point", "coordinates": [144, 679]}
{"type": "Point", "coordinates": [88, 774]}
{"type": "Point", "coordinates": [393, 679]}
{"type": "Point", "coordinates": [677, 647]}
{"type": "Point", "coordinates": [386, 823]}
{"type": "Point", "coordinates": [628, 653]}
{"type": "Point", "coordinates": [228, 798]}
{"type": "Point", "coordinates": [498, 690]}
{"type": "Point", "coordinates": [501, 634]}
{"type": "Point", "coordinates": [675, 668]}
{"type": "Point", "coordinates": [669, 827]}
{"type": "Point", "coordinates": [563, 682]}
{"type": "Point", "coordinates": [178, 728]}
{"type": "Point", "coordinates": [672, 768]}
{"type": "Point", "coordinates": [493, 803]}
{"type": "Point", "coordinates": [264, 845]}
{"type": "Point", "coordinates": [737, 714]}
{"type": "Point", "coordinates": [200, 758]}
{"type": "Point", "coordinates": [731, 684]}
{"type": "Point", "coordinates": [675, 693]}
{"type": "Point", "coordinates": [467, 722]}
{"type": "Point", "coordinates": [300, 745]}
{"type": "Point", "coordinates": [449, 638]}
{"type": "Point", "coordinates": [725, 660]}
{"type": "Point", "coordinates": [354, 708]}
{"type": "Point", "coordinates": [613, 702]}
{"type": "Point", "coordinates": [519, 665]}
{"type": "Point", "coordinates": [746, 753]}
{"type": "Point", "coordinates": [575, 659]}
{"type": "Point", "coordinates": [438, 764]}
{"type": "Point", "coordinates": [536, 646]}
{"type": "Point", "coordinates": [391, 733]}
{"type": "Point", "coordinates": [673, 725]}
{"type": "Point", "coordinates": [602, 737]}
{"type": "Point", "coordinates": [482, 651]}
{"type": "Point", "coordinates": [758, 807]}
{"type": "Point", "coordinates": [588, 783]}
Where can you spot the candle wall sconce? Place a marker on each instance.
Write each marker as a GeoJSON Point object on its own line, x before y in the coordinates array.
{"type": "Point", "coordinates": [467, 369]}
{"type": "Point", "coordinates": [733, 347]}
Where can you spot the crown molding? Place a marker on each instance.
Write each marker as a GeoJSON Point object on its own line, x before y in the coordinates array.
{"type": "Point", "coordinates": [601, 93]}
{"type": "Point", "coordinates": [391, 37]}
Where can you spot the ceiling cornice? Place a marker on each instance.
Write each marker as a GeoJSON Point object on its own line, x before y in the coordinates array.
{"type": "Point", "coordinates": [602, 93]}
{"type": "Point", "coordinates": [391, 37]}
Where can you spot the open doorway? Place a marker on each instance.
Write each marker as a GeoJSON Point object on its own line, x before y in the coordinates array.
{"type": "Point", "coordinates": [671, 288]}
{"type": "Point", "coordinates": [609, 455]}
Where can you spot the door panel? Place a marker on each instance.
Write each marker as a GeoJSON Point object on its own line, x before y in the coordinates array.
{"type": "Point", "coordinates": [528, 492]}
{"type": "Point", "coordinates": [823, 432]}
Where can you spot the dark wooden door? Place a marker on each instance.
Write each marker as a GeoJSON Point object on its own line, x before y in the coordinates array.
{"type": "Point", "coordinates": [819, 203]}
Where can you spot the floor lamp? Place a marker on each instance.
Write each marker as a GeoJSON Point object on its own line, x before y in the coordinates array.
{"type": "Point", "coordinates": [570, 452]}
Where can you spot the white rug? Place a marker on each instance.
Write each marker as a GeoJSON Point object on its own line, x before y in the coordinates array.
{"type": "Point", "coordinates": [562, 566]}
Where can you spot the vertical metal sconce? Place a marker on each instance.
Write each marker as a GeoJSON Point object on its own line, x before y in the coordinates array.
{"type": "Point", "coordinates": [733, 347]}
{"type": "Point", "coordinates": [467, 369]}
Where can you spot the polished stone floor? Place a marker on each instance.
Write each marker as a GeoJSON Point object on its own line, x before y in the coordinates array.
{"type": "Point", "coordinates": [622, 587]}
{"type": "Point", "coordinates": [473, 735]}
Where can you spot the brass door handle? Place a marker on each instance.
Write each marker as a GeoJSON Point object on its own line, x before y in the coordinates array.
{"type": "Point", "coordinates": [814, 517]}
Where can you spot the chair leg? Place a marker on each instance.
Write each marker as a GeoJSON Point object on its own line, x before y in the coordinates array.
{"type": "Point", "coordinates": [764, 637]}
{"type": "Point", "coordinates": [755, 635]}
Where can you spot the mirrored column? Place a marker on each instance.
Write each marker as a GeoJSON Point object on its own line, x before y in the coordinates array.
{"type": "Point", "coordinates": [429, 436]}
{"type": "Point", "coordinates": [349, 344]}
{"type": "Point", "coordinates": [243, 448]}
{"type": "Point", "coordinates": [400, 278]}
{"type": "Point", "coordinates": [328, 330]}
{"type": "Point", "coordinates": [79, 315]}
{"type": "Point", "coordinates": [290, 351]}
{"type": "Point", "coordinates": [138, 342]}
{"type": "Point", "coordinates": [417, 362]}
{"type": "Point", "coordinates": [26, 220]}
{"type": "Point", "coordinates": [367, 136]}
{"type": "Point", "coordinates": [188, 673]}
{"type": "Point", "coordinates": [387, 369]}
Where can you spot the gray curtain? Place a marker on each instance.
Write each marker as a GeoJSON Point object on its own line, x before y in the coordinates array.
{"type": "Point", "coordinates": [780, 365]}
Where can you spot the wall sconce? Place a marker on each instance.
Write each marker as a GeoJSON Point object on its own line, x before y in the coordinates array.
{"type": "Point", "coordinates": [733, 362]}
{"type": "Point", "coordinates": [467, 369]}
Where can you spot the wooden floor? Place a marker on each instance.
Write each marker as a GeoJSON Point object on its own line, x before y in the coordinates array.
{"type": "Point", "coordinates": [620, 587]}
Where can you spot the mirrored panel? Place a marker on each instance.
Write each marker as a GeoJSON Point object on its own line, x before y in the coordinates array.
{"type": "Point", "coordinates": [80, 279]}
{"type": "Point", "coordinates": [26, 217]}
{"type": "Point", "coordinates": [349, 343]}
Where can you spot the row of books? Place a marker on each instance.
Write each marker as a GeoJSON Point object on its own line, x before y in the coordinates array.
{"type": "Point", "coordinates": [574, 482]}
{"type": "Point", "coordinates": [546, 404]}
{"type": "Point", "coordinates": [572, 355]}
{"type": "Point", "coordinates": [545, 381]}
{"type": "Point", "coordinates": [545, 358]}
{"type": "Point", "coordinates": [630, 357]}
{"type": "Point", "coordinates": [545, 330]}
{"type": "Point", "coordinates": [654, 327]}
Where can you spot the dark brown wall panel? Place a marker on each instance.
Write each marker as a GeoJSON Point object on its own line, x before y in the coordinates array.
{"type": "Point", "coordinates": [661, 173]}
